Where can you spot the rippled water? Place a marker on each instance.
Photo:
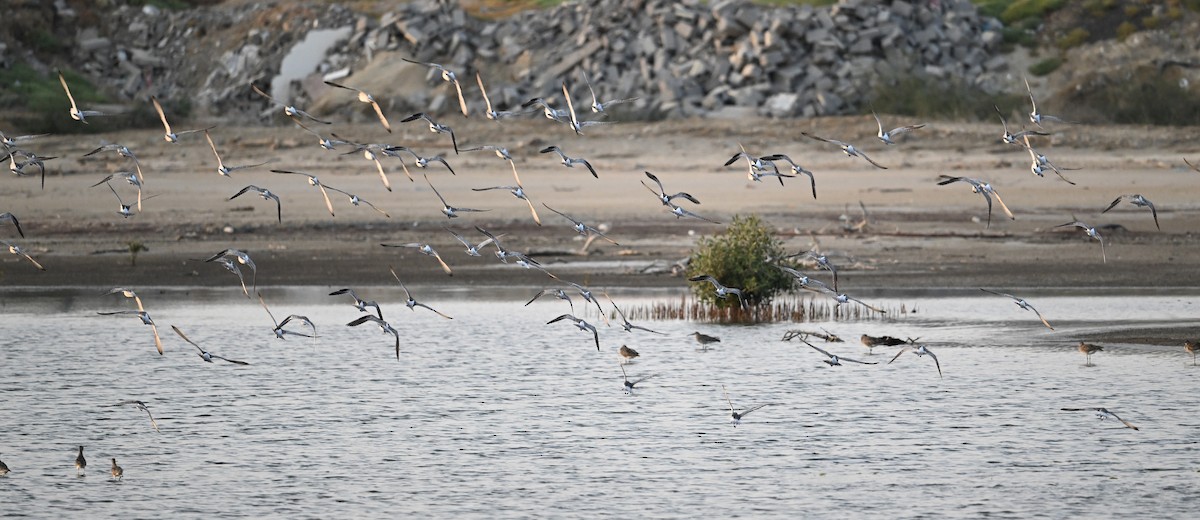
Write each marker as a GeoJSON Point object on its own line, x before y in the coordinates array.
{"type": "Point", "coordinates": [495, 414]}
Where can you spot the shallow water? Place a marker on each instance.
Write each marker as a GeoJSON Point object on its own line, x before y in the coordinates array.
{"type": "Point", "coordinates": [495, 414]}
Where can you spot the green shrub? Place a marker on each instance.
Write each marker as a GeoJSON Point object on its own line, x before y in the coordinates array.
{"type": "Point", "coordinates": [1029, 9]}
{"type": "Point", "coordinates": [1045, 66]}
{"type": "Point", "coordinates": [738, 258]}
{"type": "Point", "coordinates": [1153, 99]}
{"type": "Point", "coordinates": [929, 98]}
{"type": "Point", "coordinates": [1125, 30]}
{"type": "Point", "coordinates": [1074, 38]}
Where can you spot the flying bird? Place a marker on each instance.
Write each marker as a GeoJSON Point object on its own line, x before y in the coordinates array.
{"type": "Point", "coordinates": [447, 209]}
{"type": "Point", "coordinates": [796, 170]}
{"type": "Point", "coordinates": [20, 251]}
{"type": "Point", "coordinates": [289, 110]}
{"type": "Point", "coordinates": [356, 200]}
{"type": "Point", "coordinates": [141, 406]}
{"type": "Point", "coordinates": [1139, 201]}
{"type": "Point", "coordinates": [266, 195]}
{"type": "Point", "coordinates": [242, 258]}
{"type": "Point", "coordinates": [9, 217]}
{"type": "Point", "coordinates": [723, 292]}
{"type": "Point", "coordinates": [222, 169]}
{"type": "Point", "coordinates": [170, 136]}
{"type": "Point", "coordinates": [383, 326]}
{"type": "Point", "coordinates": [920, 351]}
{"type": "Point", "coordinates": [360, 303]}
{"type": "Point", "coordinates": [1091, 233]}
{"type": "Point", "coordinates": [313, 181]}
{"type": "Point", "coordinates": [736, 416]}
{"type": "Point", "coordinates": [364, 97]}
{"type": "Point", "coordinates": [491, 113]}
{"type": "Point", "coordinates": [847, 148]}
{"type": "Point", "coordinates": [425, 249]}
{"type": "Point", "coordinates": [204, 354]}
{"type": "Point", "coordinates": [602, 107]}
{"type": "Point", "coordinates": [984, 189]}
{"type": "Point", "coordinates": [279, 330]}
{"type": "Point", "coordinates": [662, 195]}
{"type": "Point", "coordinates": [570, 162]}
{"type": "Point", "coordinates": [580, 227]}
{"type": "Point", "coordinates": [625, 324]}
{"type": "Point", "coordinates": [1036, 117]}
{"type": "Point", "coordinates": [76, 113]}
{"type": "Point", "coordinates": [834, 359]}
{"type": "Point", "coordinates": [1022, 304]}
{"type": "Point", "coordinates": [146, 320]}
{"type": "Point", "coordinates": [1103, 414]}
{"type": "Point", "coordinates": [887, 136]}
{"type": "Point", "coordinates": [434, 127]}
{"type": "Point", "coordinates": [472, 249]}
{"type": "Point", "coordinates": [411, 302]}
{"type": "Point", "coordinates": [581, 324]}
{"type": "Point", "coordinates": [449, 77]}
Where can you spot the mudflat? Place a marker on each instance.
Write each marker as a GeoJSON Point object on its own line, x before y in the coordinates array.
{"type": "Point", "coordinates": [914, 234]}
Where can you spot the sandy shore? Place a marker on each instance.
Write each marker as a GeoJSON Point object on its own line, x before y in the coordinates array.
{"type": "Point", "coordinates": [918, 235]}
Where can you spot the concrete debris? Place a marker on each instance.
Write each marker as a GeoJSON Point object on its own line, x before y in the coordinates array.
{"type": "Point", "coordinates": [677, 57]}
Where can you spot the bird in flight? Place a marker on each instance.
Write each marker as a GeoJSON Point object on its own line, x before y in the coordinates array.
{"type": "Point", "coordinates": [920, 351]}
{"type": "Point", "coordinates": [581, 324]}
{"type": "Point", "coordinates": [1137, 200]}
{"type": "Point", "coordinates": [449, 77]}
{"type": "Point", "coordinates": [834, 359]}
{"type": "Point", "coordinates": [1022, 304]}
{"type": "Point", "coordinates": [141, 406]}
{"type": "Point", "coordinates": [204, 354]}
{"type": "Point", "coordinates": [847, 148]}
{"type": "Point", "coordinates": [887, 136]}
{"type": "Point", "coordinates": [411, 302]}
{"type": "Point", "coordinates": [266, 195]}
{"type": "Point", "coordinates": [629, 385]}
{"type": "Point", "coordinates": [736, 416]}
{"type": "Point", "coordinates": [1103, 414]}
{"type": "Point", "coordinates": [364, 97]}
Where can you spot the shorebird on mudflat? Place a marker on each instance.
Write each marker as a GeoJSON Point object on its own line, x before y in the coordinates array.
{"type": "Point", "coordinates": [1088, 349]}
{"type": "Point", "coordinates": [364, 97]}
{"type": "Point", "coordinates": [1011, 138]}
{"type": "Point", "coordinates": [204, 354]}
{"type": "Point", "coordinates": [847, 148]}
{"type": "Point", "coordinates": [1036, 117]}
{"type": "Point", "coordinates": [492, 113]}
{"type": "Point", "coordinates": [887, 136]}
{"type": "Point", "coordinates": [627, 354]}
{"type": "Point", "coordinates": [76, 113]}
{"type": "Point", "coordinates": [9, 217]}
{"type": "Point", "coordinates": [447, 209]}
{"type": "Point", "coordinates": [356, 200]}
{"type": "Point", "coordinates": [411, 302]}
{"type": "Point", "coordinates": [1103, 414]}
{"type": "Point", "coordinates": [360, 303]}
{"type": "Point", "coordinates": [629, 385]}
{"type": "Point", "coordinates": [704, 339]}
{"type": "Point", "coordinates": [289, 110]}
{"type": "Point", "coordinates": [383, 326]}
{"type": "Point", "coordinates": [171, 136]}
{"type": "Point", "coordinates": [117, 471]}
{"type": "Point", "coordinates": [266, 195]}
{"type": "Point", "coordinates": [601, 107]}
{"type": "Point", "coordinates": [984, 189]}
{"type": "Point", "coordinates": [1022, 304]}
{"type": "Point", "coordinates": [580, 227]}
{"type": "Point", "coordinates": [222, 169]}
{"type": "Point", "coordinates": [20, 251]}
{"type": "Point", "coordinates": [80, 462]}
{"type": "Point", "coordinates": [312, 181]}
{"type": "Point", "coordinates": [434, 127]}
{"type": "Point", "coordinates": [146, 320]}
{"type": "Point", "coordinates": [735, 416]}
{"type": "Point", "coordinates": [1139, 201]}
{"type": "Point", "coordinates": [3, 468]}
{"type": "Point", "coordinates": [570, 162]}
{"type": "Point", "coordinates": [425, 249]}
{"type": "Point", "coordinates": [1192, 347]}
{"type": "Point", "coordinates": [279, 330]}
{"type": "Point", "coordinates": [1092, 233]}
{"type": "Point", "coordinates": [834, 359]}
{"type": "Point", "coordinates": [242, 258]}
{"type": "Point", "coordinates": [141, 406]}
{"type": "Point", "coordinates": [581, 324]}
{"type": "Point", "coordinates": [723, 292]}
{"type": "Point", "coordinates": [662, 195]}
{"type": "Point", "coordinates": [920, 351]}
{"type": "Point", "coordinates": [449, 77]}
{"type": "Point", "coordinates": [875, 341]}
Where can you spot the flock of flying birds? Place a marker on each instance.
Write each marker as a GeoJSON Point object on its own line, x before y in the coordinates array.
{"type": "Point", "coordinates": [23, 161]}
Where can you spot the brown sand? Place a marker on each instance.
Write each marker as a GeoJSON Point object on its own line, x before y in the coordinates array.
{"type": "Point", "coordinates": [919, 235]}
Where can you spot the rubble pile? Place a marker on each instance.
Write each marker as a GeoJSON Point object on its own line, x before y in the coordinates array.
{"type": "Point", "coordinates": [679, 58]}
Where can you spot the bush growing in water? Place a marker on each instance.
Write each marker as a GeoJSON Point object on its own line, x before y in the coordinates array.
{"type": "Point", "coordinates": [738, 258]}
